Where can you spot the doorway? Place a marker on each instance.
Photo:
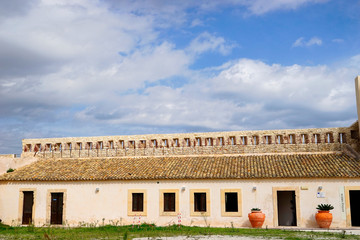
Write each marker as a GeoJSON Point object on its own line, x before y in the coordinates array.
{"type": "Point", "coordinates": [57, 203]}
{"type": "Point", "coordinates": [286, 206]}
{"type": "Point", "coordinates": [355, 207]}
{"type": "Point", "coordinates": [28, 203]}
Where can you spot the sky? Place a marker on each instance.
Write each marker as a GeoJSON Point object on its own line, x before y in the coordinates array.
{"type": "Point", "coordinates": [73, 68]}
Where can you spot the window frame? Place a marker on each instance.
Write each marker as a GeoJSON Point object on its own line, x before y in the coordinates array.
{"type": "Point", "coordinates": [130, 202]}
{"type": "Point", "coordinates": [194, 213]}
{"type": "Point", "coordinates": [223, 204]}
{"type": "Point", "coordinates": [161, 202]}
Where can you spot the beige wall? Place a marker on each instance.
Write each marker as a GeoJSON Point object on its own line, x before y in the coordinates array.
{"type": "Point", "coordinates": [84, 204]}
{"type": "Point", "coordinates": [10, 161]}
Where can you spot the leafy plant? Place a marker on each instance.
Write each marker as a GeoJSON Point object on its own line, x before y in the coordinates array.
{"type": "Point", "coordinates": [255, 209]}
{"type": "Point", "coordinates": [325, 207]}
{"type": "Point", "coordinates": [10, 170]}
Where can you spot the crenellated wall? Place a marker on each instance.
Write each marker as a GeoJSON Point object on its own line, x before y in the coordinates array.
{"type": "Point", "coordinates": [267, 141]}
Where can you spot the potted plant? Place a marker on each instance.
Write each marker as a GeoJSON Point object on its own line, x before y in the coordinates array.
{"type": "Point", "coordinates": [323, 216]}
{"type": "Point", "coordinates": [256, 217]}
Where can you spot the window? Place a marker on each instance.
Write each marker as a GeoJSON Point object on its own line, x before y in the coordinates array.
{"type": "Point", "coordinates": [209, 141]}
{"type": "Point", "coordinates": [342, 138]}
{"type": "Point", "coordinates": [198, 142]}
{"type": "Point", "coordinates": [176, 142]}
{"type": "Point", "coordinates": [304, 139]}
{"type": "Point", "coordinates": [68, 146]}
{"type": "Point", "coordinates": [292, 138]}
{"type": "Point", "coordinates": [79, 146]}
{"type": "Point", "coordinates": [165, 143]}
{"type": "Point", "coordinates": [169, 202]}
{"type": "Point", "coordinates": [154, 143]}
{"type": "Point", "coordinates": [27, 148]}
{"type": "Point", "coordinates": [122, 144]}
{"type": "Point", "coordinates": [200, 202]}
{"type": "Point", "coordinates": [231, 203]}
{"type": "Point", "coordinates": [279, 139]}
{"type": "Point", "coordinates": [317, 138]}
{"type": "Point", "coordinates": [37, 147]}
{"type": "Point", "coordinates": [255, 140]}
{"type": "Point", "coordinates": [111, 144]}
{"type": "Point", "coordinates": [243, 140]}
{"type": "Point", "coordinates": [232, 141]}
{"type": "Point", "coordinates": [221, 141]}
{"type": "Point", "coordinates": [354, 134]}
{"type": "Point", "coordinates": [89, 145]}
{"type": "Point", "coordinates": [187, 142]}
{"type": "Point", "coordinates": [142, 144]}
{"type": "Point", "coordinates": [48, 147]}
{"type": "Point", "coordinates": [131, 144]}
{"type": "Point", "coordinates": [329, 138]}
{"type": "Point", "coordinates": [137, 204]}
{"type": "Point", "coordinates": [267, 139]}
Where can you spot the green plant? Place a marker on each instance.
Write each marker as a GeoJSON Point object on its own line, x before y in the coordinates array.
{"type": "Point", "coordinates": [325, 207]}
{"type": "Point", "coordinates": [255, 209]}
{"type": "Point", "coordinates": [10, 170]}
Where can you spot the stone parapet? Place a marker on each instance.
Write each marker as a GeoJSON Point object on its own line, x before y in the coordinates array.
{"type": "Point", "coordinates": [267, 141]}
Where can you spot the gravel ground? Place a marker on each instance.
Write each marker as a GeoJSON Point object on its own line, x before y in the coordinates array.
{"type": "Point", "coordinates": [213, 237]}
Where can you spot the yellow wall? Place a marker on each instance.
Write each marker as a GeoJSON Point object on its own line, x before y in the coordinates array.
{"type": "Point", "coordinates": [84, 204]}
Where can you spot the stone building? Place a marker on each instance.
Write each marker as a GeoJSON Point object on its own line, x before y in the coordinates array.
{"type": "Point", "coordinates": [206, 179]}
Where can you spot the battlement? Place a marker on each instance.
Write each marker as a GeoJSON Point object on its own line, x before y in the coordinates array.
{"type": "Point", "coordinates": [267, 141]}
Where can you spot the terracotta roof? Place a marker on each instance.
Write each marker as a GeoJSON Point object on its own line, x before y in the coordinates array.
{"type": "Point", "coordinates": [330, 165]}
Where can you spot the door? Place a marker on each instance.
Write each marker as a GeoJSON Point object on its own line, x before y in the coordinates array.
{"type": "Point", "coordinates": [28, 203]}
{"type": "Point", "coordinates": [355, 207]}
{"type": "Point", "coordinates": [286, 204]}
{"type": "Point", "coordinates": [56, 216]}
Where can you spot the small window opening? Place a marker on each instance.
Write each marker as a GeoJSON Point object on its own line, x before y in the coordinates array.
{"type": "Point", "coordinates": [169, 202]}
{"type": "Point", "coordinates": [329, 138]}
{"type": "Point", "coordinates": [304, 138]}
{"type": "Point", "coordinates": [200, 202]}
{"type": "Point", "coordinates": [69, 146]}
{"type": "Point", "coordinates": [27, 148]}
{"type": "Point", "coordinates": [267, 139]}
{"type": "Point", "coordinates": [37, 147]}
{"type": "Point", "coordinates": [142, 144]}
{"type": "Point", "coordinates": [232, 141]}
{"type": "Point", "coordinates": [198, 142]}
{"type": "Point", "coordinates": [317, 138]}
{"type": "Point", "coordinates": [89, 145]}
{"type": "Point", "coordinates": [122, 144]}
{"type": "Point", "coordinates": [255, 140]}
{"type": "Point", "coordinates": [111, 144]}
{"type": "Point", "coordinates": [138, 202]}
{"type": "Point", "coordinates": [221, 141]}
{"type": "Point", "coordinates": [354, 134]}
{"type": "Point", "coordinates": [342, 138]}
{"type": "Point", "coordinates": [187, 142]}
{"type": "Point", "coordinates": [292, 138]}
{"type": "Point", "coordinates": [48, 147]}
{"type": "Point", "coordinates": [176, 142]}
{"type": "Point", "coordinates": [243, 140]}
{"type": "Point", "coordinates": [279, 139]}
{"type": "Point", "coordinates": [154, 143]}
{"type": "Point", "coordinates": [79, 145]}
{"type": "Point", "coordinates": [231, 202]}
{"type": "Point", "coordinates": [165, 143]}
{"type": "Point", "coordinates": [131, 144]}
{"type": "Point", "coordinates": [209, 142]}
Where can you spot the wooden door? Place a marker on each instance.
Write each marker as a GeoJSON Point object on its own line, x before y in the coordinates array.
{"type": "Point", "coordinates": [28, 207]}
{"type": "Point", "coordinates": [56, 208]}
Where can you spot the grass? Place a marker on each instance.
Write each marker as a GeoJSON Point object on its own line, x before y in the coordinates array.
{"type": "Point", "coordinates": [153, 232]}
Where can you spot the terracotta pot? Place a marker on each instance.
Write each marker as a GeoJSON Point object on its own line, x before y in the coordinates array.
{"type": "Point", "coordinates": [256, 218]}
{"type": "Point", "coordinates": [323, 218]}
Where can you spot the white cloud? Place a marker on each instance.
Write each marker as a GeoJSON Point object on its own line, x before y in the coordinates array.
{"type": "Point", "coordinates": [301, 42]}
{"type": "Point", "coordinates": [208, 42]}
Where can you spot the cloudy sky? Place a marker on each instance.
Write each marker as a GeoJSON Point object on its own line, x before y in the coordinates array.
{"type": "Point", "coordinates": [111, 67]}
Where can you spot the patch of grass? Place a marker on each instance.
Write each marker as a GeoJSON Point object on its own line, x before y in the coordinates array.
{"type": "Point", "coordinates": [153, 231]}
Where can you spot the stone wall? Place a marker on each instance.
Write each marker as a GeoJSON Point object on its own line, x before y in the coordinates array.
{"type": "Point", "coordinates": [267, 141]}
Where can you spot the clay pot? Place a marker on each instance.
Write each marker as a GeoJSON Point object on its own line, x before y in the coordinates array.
{"type": "Point", "coordinates": [323, 218]}
{"type": "Point", "coordinates": [256, 218]}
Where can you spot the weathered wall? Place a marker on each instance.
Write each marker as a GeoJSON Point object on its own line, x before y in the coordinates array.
{"type": "Point", "coordinates": [10, 161]}
{"type": "Point", "coordinates": [292, 140]}
{"type": "Point", "coordinates": [84, 204]}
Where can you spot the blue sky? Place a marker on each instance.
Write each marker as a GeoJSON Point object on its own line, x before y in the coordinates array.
{"type": "Point", "coordinates": [107, 67]}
